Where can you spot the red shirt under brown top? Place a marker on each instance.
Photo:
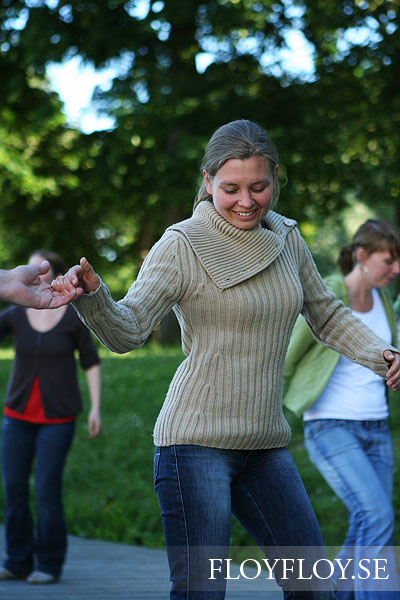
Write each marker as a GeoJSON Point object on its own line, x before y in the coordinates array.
{"type": "Point", "coordinates": [33, 412]}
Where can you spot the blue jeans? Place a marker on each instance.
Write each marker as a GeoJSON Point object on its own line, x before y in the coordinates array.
{"type": "Point", "coordinates": [198, 488]}
{"type": "Point", "coordinates": [355, 458]}
{"type": "Point", "coordinates": [21, 443]}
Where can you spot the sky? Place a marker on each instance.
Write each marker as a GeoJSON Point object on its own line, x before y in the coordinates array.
{"type": "Point", "coordinates": [75, 81]}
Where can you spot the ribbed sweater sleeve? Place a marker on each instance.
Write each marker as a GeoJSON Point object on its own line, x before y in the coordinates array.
{"type": "Point", "coordinates": [335, 326]}
{"type": "Point", "coordinates": [125, 325]}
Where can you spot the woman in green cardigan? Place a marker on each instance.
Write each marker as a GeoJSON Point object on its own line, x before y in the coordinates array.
{"type": "Point", "coordinates": [345, 406]}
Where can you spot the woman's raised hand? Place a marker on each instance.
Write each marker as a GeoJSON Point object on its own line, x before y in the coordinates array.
{"type": "Point", "coordinates": [79, 277]}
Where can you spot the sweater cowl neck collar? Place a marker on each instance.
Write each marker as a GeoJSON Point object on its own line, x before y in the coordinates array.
{"type": "Point", "coordinates": [231, 255]}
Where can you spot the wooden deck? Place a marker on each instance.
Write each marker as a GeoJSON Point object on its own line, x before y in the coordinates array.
{"type": "Point", "coordinates": [97, 570]}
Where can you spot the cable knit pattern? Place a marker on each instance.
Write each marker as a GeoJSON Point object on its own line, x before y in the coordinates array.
{"type": "Point", "coordinates": [237, 294]}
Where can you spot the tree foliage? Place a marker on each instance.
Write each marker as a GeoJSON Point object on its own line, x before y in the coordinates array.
{"type": "Point", "coordinates": [111, 194]}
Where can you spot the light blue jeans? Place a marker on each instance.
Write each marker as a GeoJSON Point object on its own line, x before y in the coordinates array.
{"type": "Point", "coordinates": [199, 487]}
{"type": "Point", "coordinates": [355, 458]}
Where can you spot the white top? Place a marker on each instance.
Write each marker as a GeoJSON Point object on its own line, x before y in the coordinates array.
{"type": "Point", "coordinates": [354, 392]}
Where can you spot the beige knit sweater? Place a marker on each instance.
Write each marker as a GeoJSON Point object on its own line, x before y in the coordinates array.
{"type": "Point", "coordinates": [237, 294]}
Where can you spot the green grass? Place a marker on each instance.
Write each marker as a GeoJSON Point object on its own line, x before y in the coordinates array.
{"type": "Point", "coordinates": [108, 486]}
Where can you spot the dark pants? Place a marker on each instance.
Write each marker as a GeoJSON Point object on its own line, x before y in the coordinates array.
{"type": "Point", "coordinates": [199, 487]}
{"type": "Point", "coordinates": [22, 442]}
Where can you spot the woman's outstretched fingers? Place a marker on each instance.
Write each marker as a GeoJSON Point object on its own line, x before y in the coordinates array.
{"type": "Point", "coordinates": [63, 284]}
{"type": "Point", "coordinates": [74, 275]}
{"type": "Point", "coordinates": [88, 276]}
{"type": "Point", "coordinates": [79, 277]}
{"type": "Point", "coordinates": [85, 264]}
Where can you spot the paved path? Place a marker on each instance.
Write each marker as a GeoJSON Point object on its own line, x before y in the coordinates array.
{"type": "Point", "coordinates": [97, 570]}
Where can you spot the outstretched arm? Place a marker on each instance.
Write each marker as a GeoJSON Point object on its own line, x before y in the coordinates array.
{"type": "Point", "coordinates": [125, 325]}
{"type": "Point", "coordinates": [23, 286]}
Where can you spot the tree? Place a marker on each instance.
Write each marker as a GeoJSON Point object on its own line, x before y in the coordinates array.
{"type": "Point", "coordinates": [39, 156]}
{"type": "Point", "coordinates": [118, 190]}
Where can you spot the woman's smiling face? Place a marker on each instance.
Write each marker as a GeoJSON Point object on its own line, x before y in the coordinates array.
{"type": "Point", "coordinates": [242, 190]}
